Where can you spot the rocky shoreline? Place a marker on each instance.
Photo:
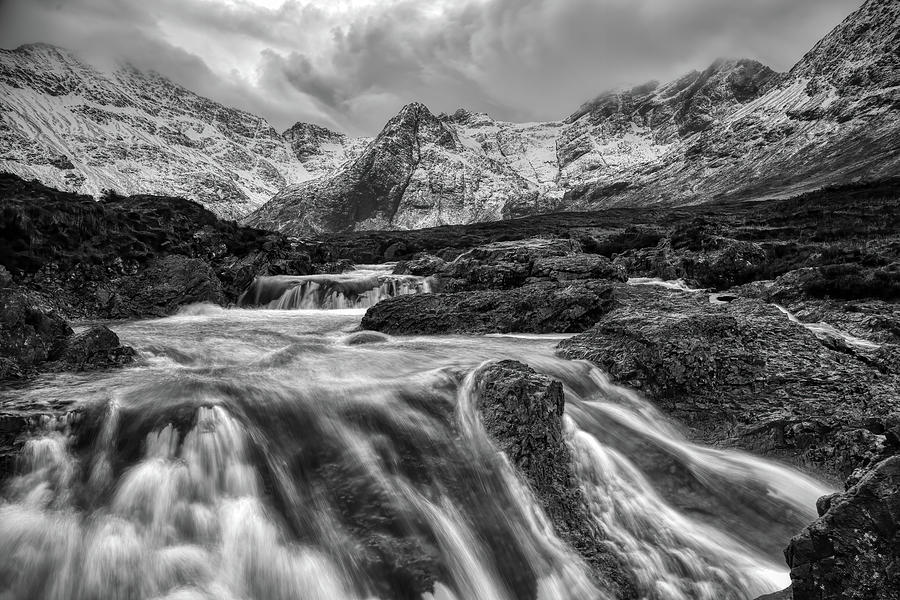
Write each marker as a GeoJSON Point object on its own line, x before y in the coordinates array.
{"type": "Point", "coordinates": [775, 330]}
{"type": "Point", "coordinates": [772, 327]}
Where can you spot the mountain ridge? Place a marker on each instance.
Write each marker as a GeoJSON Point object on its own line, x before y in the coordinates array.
{"type": "Point", "coordinates": [735, 129]}
{"type": "Point", "coordinates": [75, 127]}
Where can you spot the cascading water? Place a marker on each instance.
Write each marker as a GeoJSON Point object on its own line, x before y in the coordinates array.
{"type": "Point", "coordinates": [827, 331]}
{"type": "Point", "coordinates": [265, 455]}
{"type": "Point", "coordinates": [360, 288]}
{"type": "Point", "coordinates": [672, 284]}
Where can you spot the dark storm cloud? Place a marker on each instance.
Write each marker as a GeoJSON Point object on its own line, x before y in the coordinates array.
{"type": "Point", "coordinates": [353, 63]}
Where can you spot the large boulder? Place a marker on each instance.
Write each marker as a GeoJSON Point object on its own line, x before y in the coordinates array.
{"type": "Point", "coordinates": [572, 267]}
{"type": "Point", "coordinates": [724, 262]}
{"type": "Point", "coordinates": [30, 334]}
{"type": "Point", "coordinates": [160, 288]}
{"type": "Point", "coordinates": [852, 552]}
{"type": "Point", "coordinates": [34, 338]}
{"type": "Point", "coordinates": [744, 374]}
{"type": "Point", "coordinates": [710, 261]}
{"type": "Point", "coordinates": [422, 265]}
{"type": "Point", "coordinates": [507, 265]}
{"type": "Point", "coordinates": [536, 308]}
{"type": "Point", "coordinates": [499, 265]}
{"type": "Point", "coordinates": [522, 412]}
{"type": "Point", "coordinates": [96, 348]}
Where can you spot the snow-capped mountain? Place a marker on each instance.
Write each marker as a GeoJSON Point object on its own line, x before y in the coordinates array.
{"type": "Point", "coordinates": [833, 118]}
{"type": "Point", "coordinates": [424, 170]}
{"type": "Point", "coordinates": [418, 171]}
{"type": "Point", "coordinates": [736, 129]}
{"type": "Point", "coordinates": [75, 127]}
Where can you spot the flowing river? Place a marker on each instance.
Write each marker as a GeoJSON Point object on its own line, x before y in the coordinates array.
{"type": "Point", "coordinates": [281, 454]}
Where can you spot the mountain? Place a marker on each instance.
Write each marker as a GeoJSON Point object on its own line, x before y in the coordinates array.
{"type": "Point", "coordinates": [833, 118]}
{"type": "Point", "coordinates": [736, 129]}
{"type": "Point", "coordinates": [424, 170]}
{"type": "Point", "coordinates": [77, 128]}
{"type": "Point", "coordinates": [417, 172]}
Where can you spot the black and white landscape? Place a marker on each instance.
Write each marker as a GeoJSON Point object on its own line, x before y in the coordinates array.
{"type": "Point", "coordinates": [646, 349]}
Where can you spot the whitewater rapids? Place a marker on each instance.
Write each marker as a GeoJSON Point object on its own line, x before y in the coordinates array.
{"type": "Point", "coordinates": [278, 454]}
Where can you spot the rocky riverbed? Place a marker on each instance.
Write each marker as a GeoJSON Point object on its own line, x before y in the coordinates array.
{"type": "Point", "coordinates": [772, 327]}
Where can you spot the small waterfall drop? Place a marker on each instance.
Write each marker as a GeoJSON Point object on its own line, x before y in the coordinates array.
{"type": "Point", "coordinates": [672, 284]}
{"type": "Point", "coordinates": [361, 288]}
{"type": "Point", "coordinates": [827, 331]}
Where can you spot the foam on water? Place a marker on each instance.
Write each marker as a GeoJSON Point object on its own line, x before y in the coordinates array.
{"type": "Point", "coordinates": [360, 288]}
{"type": "Point", "coordinates": [282, 459]}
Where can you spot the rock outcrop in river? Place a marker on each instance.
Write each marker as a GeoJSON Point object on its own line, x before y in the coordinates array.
{"type": "Point", "coordinates": [35, 338]}
{"type": "Point", "coordinates": [851, 551]}
{"type": "Point", "coordinates": [522, 411]}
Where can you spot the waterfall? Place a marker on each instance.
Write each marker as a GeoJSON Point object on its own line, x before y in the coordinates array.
{"type": "Point", "coordinates": [289, 463]}
{"type": "Point", "coordinates": [826, 331]}
{"type": "Point", "coordinates": [672, 284]}
{"type": "Point", "coordinates": [360, 288]}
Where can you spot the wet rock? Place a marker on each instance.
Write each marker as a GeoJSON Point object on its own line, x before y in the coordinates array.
{"type": "Point", "coordinates": [609, 243]}
{"type": "Point", "coordinates": [89, 259]}
{"type": "Point", "coordinates": [506, 265]}
{"type": "Point", "coordinates": [724, 262]}
{"type": "Point", "coordinates": [577, 266]}
{"type": "Point", "coordinates": [30, 334]}
{"type": "Point", "coordinates": [851, 551]}
{"type": "Point", "coordinates": [96, 348]}
{"type": "Point", "coordinates": [500, 265]}
{"type": "Point", "coordinates": [659, 262]}
{"type": "Point", "coordinates": [5, 277]}
{"type": "Point", "coordinates": [743, 374]}
{"type": "Point", "coordinates": [159, 289]}
{"type": "Point", "coordinates": [534, 308]}
{"type": "Point", "coordinates": [706, 260]}
{"type": "Point", "coordinates": [522, 412]}
{"type": "Point", "coordinates": [423, 265]}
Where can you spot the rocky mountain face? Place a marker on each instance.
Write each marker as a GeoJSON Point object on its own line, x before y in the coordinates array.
{"type": "Point", "coordinates": [77, 128]}
{"type": "Point", "coordinates": [736, 129]}
{"type": "Point", "coordinates": [320, 149]}
{"type": "Point", "coordinates": [834, 117]}
{"type": "Point", "coordinates": [418, 171]}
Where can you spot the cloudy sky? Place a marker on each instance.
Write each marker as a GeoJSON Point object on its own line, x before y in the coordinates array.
{"type": "Point", "coordinates": [351, 64]}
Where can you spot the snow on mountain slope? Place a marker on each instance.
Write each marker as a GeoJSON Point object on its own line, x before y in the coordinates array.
{"type": "Point", "coordinates": [424, 170]}
{"type": "Point", "coordinates": [834, 118]}
{"type": "Point", "coordinates": [73, 127]}
{"type": "Point", "coordinates": [321, 150]}
{"type": "Point", "coordinates": [734, 130]}
{"type": "Point", "coordinates": [417, 172]}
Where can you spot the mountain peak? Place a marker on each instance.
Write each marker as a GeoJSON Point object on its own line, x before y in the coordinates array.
{"type": "Point", "coordinates": [146, 134]}
{"type": "Point", "coordinates": [861, 53]}
{"type": "Point", "coordinates": [685, 105]}
{"type": "Point", "coordinates": [415, 124]}
{"type": "Point", "coordinates": [307, 140]}
{"type": "Point", "coordinates": [416, 108]}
